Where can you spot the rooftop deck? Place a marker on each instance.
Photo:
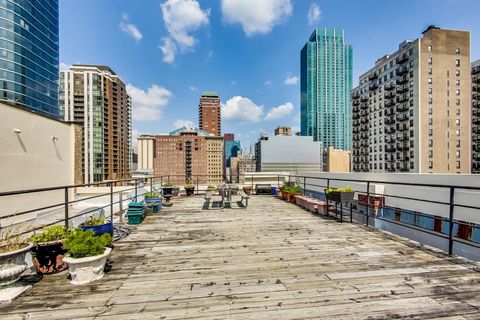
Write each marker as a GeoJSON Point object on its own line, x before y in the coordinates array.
{"type": "Point", "coordinates": [270, 261]}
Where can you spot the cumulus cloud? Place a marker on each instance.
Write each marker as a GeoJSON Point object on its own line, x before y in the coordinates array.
{"type": "Point", "coordinates": [280, 111]}
{"type": "Point", "coordinates": [180, 123]}
{"type": "Point", "coordinates": [291, 80]}
{"type": "Point", "coordinates": [256, 16]}
{"type": "Point", "coordinates": [314, 14]}
{"type": "Point", "coordinates": [241, 109]}
{"type": "Point", "coordinates": [147, 105]}
{"type": "Point", "coordinates": [129, 28]}
{"type": "Point", "coordinates": [181, 18]}
{"type": "Point", "coordinates": [169, 50]}
{"type": "Point", "coordinates": [135, 134]}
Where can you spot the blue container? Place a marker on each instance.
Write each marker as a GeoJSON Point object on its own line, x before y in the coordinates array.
{"type": "Point", "coordinates": [155, 200]}
{"type": "Point", "coordinates": [99, 230]}
{"type": "Point", "coordinates": [274, 191]}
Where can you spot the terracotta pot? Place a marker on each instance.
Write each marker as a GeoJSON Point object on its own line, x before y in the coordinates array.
{"type": "Point", "coordinates": [12, 265]}
{"type": "Point", "coordinates": [48, 257]}
{"type": "Point", "coordinates": [247, 190]}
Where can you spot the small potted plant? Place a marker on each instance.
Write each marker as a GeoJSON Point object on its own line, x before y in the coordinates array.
{"type": "Point", "coordinates": [340, 195]}
{"type": "Point", "coordinates": [189, 188]}
{"type": "Point", "coordinates": [98, 225]}
{"type": "Point", "coordinates": [293, 191]}
{"type": "Point", "coordinates": [13, 248]}
{"type": "Point", "coordinates": [248, 190]}
{"type": "Point", "coordinates": [87, 255]}
{"type": "Point", "coordinates": [211, 188]}
{"type": "Point", "coordinates": [47, 251]}
{"type": "Point", "coordinates": [167, 188]}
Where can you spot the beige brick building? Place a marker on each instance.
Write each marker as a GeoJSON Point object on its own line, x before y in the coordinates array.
{"type": "Point", "coordinates": [411, 112]}
{"type": "Point", "coordinates": [183, 155]}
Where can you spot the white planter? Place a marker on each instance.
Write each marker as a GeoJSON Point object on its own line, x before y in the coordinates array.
{"type": "Point", "coordinates": [12, 265]}
{"type": "Point", "coordinates": [85, 270]}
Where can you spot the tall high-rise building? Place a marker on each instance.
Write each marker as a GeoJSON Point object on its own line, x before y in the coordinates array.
{"type": "Point", "coordinates": [186, 154]}
{"type": "Point", "coordinates": [29, 55]}
{"type": "Point", "coordinates": [97, 98]}
{"type": "Point", "coordinates": [209, 117]}
{"type": "Point", "coordinates": [476, 117]}
{"type": "Point", "coordinates": [325, 84]}
{"type": "Point", "coordinates": [412, 111]}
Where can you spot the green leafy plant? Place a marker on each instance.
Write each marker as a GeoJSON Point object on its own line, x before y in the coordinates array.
{"type": "Point", "coordinates": [94, 221]}
{"type": "Point", "coordinates": [167, 185]}
{"type": "Point", "coordinates": [344, 189]}
{"type": "Point", "coordinates": [188, 186]}
{"type": "Point", "coordinates": [82, 244]}
{"type": "Point", "coordinates": [151, 194]}
{"type": "Point", "coordinates": [11, 239]}
{"type": "Point", "coordinates": [210, 187]}
{"type": "Point", "coordinates": [292, 188]}
{"type": "Point", "coordinates": [53, 233]}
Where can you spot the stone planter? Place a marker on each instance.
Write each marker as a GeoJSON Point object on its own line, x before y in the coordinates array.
{"type": "Point", "coordinates": [247, 190]}
{"type": "Point", "coordinates": [48, 257]}
{"type": "Point", "coordinates": [176, 191]}
{"type": "Point", "coordinates": [12, 265]}
{"type": "Point", "coordinates": [85, 270]}
{"type": "Point", "coordinates": [189, 191]}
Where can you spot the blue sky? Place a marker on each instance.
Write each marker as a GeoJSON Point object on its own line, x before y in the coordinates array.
{"type": "Point", "coordinates": [168, 52]}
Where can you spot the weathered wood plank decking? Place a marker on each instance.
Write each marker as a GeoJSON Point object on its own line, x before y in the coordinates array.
{"type": "Point", "coordinates": [270, 261]}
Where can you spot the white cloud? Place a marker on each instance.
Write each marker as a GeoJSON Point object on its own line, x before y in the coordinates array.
{"type": "Point", "coordinates": [181, 18]}
{"type": "Point", "coordinates": [180, 123]}
{"type": "Point", "coordinates": [64, 66]}
{"type": "Point", "coordinates": [135, 134]}
{"type": "Point", "coordinates": [314, 14]}
{"type": "Point", "coordinates": [169, 50]}
{"type": "Point", "coordinates": [256, 16]}
{"type": "Point", "coordinates": [291, 80]}
{"type": "Point", "coordinates": [280, 111]}
{"type": "Point", "coordinates": [241, 109]}
{"type": "Point", "coordinates": [130, 28]}
{"type": "Point", "coordinates": [268, 83]}
{"type": "Point", "coordinates": [147, 105]}
{"type": "Point", "coordinates": [193, 88]}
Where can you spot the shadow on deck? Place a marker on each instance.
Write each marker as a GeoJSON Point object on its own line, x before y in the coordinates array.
{"type": "Point", "coordinates": [270, 261]}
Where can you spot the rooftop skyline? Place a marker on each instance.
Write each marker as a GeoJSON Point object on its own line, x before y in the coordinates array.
{"type": "Point", "coordinates": [252, 61]}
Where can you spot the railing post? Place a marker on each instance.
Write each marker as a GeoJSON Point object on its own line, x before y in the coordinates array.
{"type": "Point", "coordinates": [66, 207]}
{"type": "Point", "coordinates": [111, 203]}
{"type": "Point", "coordinates": [450, 220]}
{"type": "Point", "coordinates": [368, 202]}
{"type": "Point", "coordinates": [197, 186]}
{"type": "Point", "coordinates": [328, 183]}
{"type": "Point", "coordinates": [304, 184]}
{"type": "Point", "coordinates": [151, 184]}
{"type": "Point", "coordinates": [136, 190]}
{"type": "Point", "coordinates": [120, 205]}
{"type": "Point", "coordinates": [278, 181]}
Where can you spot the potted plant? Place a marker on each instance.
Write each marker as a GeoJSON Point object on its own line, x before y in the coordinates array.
{"type": "Point", "coordinates": [13, 249]}
{"type": "Point", "coordinates": [98, 225]}
{"type": "Point", "coordinates": [340, 195]}
{"type": "Point", "coordinates": [167, 188]}
{"type": "Point", "coordinates": [87, 255]}
{"type": "Point", "coordinates": [248, 190]}
{"type": "Point", "coordinates": [47, 251]}
{"type": "Point", "coordinates": [292, 191]}
{"type": "Point", "coordinates": [189, 188]}
{"type": "Point", "coordinates": [211, 188]}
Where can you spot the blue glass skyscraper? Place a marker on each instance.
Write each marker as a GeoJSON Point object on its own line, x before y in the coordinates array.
{"type": "Point", "coordinates": [29, 55]}
{"type": "Point", "coordinates": [325, 84]}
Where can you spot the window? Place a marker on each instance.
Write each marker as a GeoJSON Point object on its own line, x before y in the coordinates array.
{"type": "Point", "coordinates": [430, 111]}
{"type": "Point", "coordinates": [430, 71]}
{"type": "Point", "coordinates": [429, 80]}
{"type": "Point", "coordinates": [457, 102]}
{"type": "Point", "coordinates": [457, 82]}
{"type": "Point", "coordinates": [430, 90]}
{"type": "Point", "coordinates": [458, 112]}
{"type": "Point", "coordinates": [430, 132]}
{"type": "Point", "coordinates": [429, 48]}
{"type": "Point", "coordinates": [457, 62]}
{"type": "Point", "coordinates": [457, 92]}
{"type": "Point", "coordinates": [430, 100]}
{"type": "Point", "coordinates": [458, 164]}
{"type": "Point", "coordinates": [457, 153]}
{"type": "Point", "coordinates": [457, 73]}
{"type": "Point", "coordinates": [430, 164]}
{"type": "Point", "coordinates": [430, 154]}
{"type": "Point", "coordinates": [457, 50]}
{"type": "Point", "coordinates": [457, 132]}
{"type": "Point", "coordinates": [430, 61]}
{"type": "Point", "coordinates": [430, 143]}
{"type": "Point", "coordinates": [457, 143]}
{"type": "Point", "coordinates": [457, 122]}
{"type": "Point", "coordinates": [430, 121]}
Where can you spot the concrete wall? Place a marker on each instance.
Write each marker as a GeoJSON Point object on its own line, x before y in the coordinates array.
{"type": "Point", "coordinates": [40, 154]}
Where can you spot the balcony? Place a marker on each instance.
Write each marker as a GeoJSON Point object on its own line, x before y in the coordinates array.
{"type": "Point", "coordinates": [402, 70]}
{"type": "Point", "coordinates": [364, 105]}
{"type": "Point", "coordinates": [402, 137]}
{"type": "Point", "coordinates": [402, 98]}
{"type": "Point", "coordinates": [389, 120]}
{"type": "Point", "coordinates": [389, 94]}
{"type": "Point", "coordinates": [389, 103]}
{"type": "Point", "coordinates": [402, 88]}
{"type": "Point", "coordinates": [476, 79]}
{"type": "Point", "coordinates": [389, 86]}
{"type": "Point", "coordinates": [364, 98]}
{"type": "Point", "coordinates": [373, 76]}
{"type": "Point", "coordinates": [355, 102]}
{"type": "Point", "coordinates": [373, 86]}
{"type": "Point", "coordinates": [402, 146]}
{"type": "Point", "coordinates": [401, 58]}
{"type": "Point", "coordinates": [402, 117]}
{"type": "Point", "coordinates": [402, 107]}
{"type": "Point", "coordinates": [401, 80]}
{"type": "Point", "coordinates": [355, 95]}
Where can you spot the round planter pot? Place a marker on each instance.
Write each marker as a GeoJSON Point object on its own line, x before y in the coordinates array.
{"type": "Point", "coordinates": [86, 270]}
{"type": "Point", "coordinates": [176, 191]}
{"type": "Point", "coordinates": [48, 257]}
{"type": "Point", "coordinates": [247, 190]}
{"type": "Point", "coordinates": [12, 265]}
{"type": "Point", "coordinates": [189, 191]}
